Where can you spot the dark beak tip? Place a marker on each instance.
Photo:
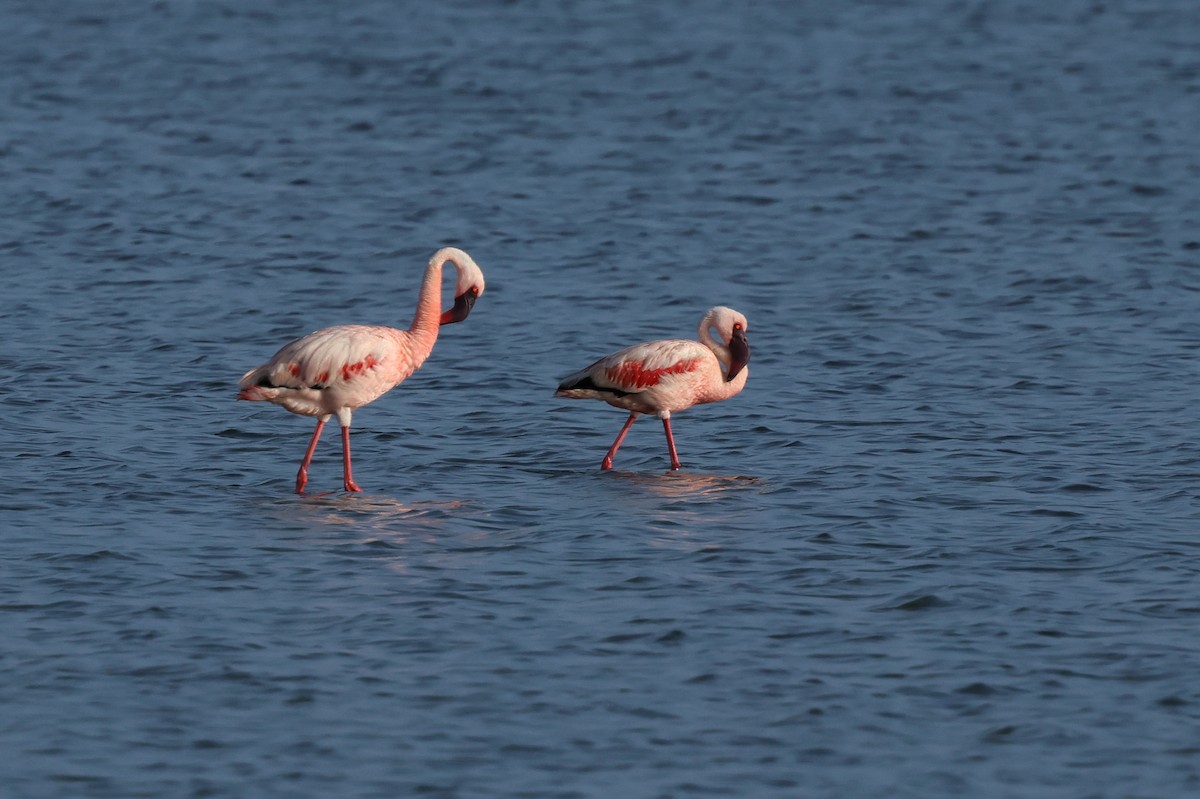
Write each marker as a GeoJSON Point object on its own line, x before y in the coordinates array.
{"type": "Point", "coordinates": [739, 354]}
{"type": "Point", "coordinates": [461, 310]}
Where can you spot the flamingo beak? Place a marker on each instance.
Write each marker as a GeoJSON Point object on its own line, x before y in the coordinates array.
{"type": "Point", "coordinates": [739, 354]}
{"type": "Point", "coordinates": [462, 307]}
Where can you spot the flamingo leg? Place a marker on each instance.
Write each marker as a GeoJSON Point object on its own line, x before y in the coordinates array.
{"type": "Point", "coordinates": [348, 479]}
{"type": "Point", "coordinates": [608, 458]}
{"type": "Point", "coordinates": [302, 475]}
{"type": "Point", "coordinates": [671, 444]}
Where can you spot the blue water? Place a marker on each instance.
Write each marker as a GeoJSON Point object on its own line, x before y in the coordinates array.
{"type": "Point", "coordinates": [943, 545]}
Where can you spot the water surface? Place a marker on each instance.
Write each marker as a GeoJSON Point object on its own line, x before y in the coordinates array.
{"type": "Point", "coordinates": [944, 544]}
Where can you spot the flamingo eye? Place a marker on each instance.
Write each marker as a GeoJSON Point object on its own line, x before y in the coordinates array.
{"type": "Point", "coordinates": [737, 325]}
{"type": "Point", "coordinates": [473, 291]}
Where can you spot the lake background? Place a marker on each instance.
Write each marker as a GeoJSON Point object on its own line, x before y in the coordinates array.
{"type": "Point", "coordinates": [943, 545]}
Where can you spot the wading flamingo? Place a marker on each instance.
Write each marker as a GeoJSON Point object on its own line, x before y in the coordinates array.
{"type": "Point", "coordinates": [335, 370]}
{"type": "Point", "coordinates": [662, 377]}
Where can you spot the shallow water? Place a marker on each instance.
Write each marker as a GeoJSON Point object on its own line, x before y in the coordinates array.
{"type": "Point", "coordinates": [944, 544]}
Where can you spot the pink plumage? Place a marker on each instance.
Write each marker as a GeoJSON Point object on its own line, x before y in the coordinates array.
{"type": "Point", "coordinates": [667, 376]}
{"type": "Point", "coordinates": [334, 371]}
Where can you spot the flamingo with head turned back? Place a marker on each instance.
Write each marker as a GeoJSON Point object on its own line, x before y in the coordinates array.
{"type": "Point", "coordinates": [336, 370]}
{"type": "Point", "coordinates": [663, 377]}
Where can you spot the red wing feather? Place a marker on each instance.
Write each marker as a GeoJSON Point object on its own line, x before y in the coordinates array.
{"type": "Point", "coordinates": [636, 375]}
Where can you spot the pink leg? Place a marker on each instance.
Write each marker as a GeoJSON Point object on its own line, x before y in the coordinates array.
{"type": "Point", "coordinates": [671, 445]}
{"type": "Point", "coordinates": [608, 459]}
{"type": "Point", "coordinates": [348, 479]}
{"type": "Point", "coordinates": [302, 475]}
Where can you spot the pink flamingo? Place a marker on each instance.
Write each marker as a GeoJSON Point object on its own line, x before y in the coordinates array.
{"type": "Point", "coordinates": [662, 377]}
{"type": "Point", "coordinates": [335, 370]}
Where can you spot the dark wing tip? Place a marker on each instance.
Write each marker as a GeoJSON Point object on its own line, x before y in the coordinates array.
{"type": "Point", "coordinates": [585, 382]}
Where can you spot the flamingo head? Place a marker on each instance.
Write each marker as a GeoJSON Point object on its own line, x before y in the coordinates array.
{"type": "Point", "coordinates": [731, 327]}
{"type": "Point", "coordinates": [469, 287]}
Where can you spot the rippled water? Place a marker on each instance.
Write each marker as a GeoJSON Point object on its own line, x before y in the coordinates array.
{"type": "Point", "coordinates": [944, 544]}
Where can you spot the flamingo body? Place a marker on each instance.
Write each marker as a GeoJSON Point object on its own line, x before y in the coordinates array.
{"type": "Point", "coordinates": [338, 367]}
{"type": "Point", "coordinates": [667, 376]}
{"type": "Point", "coordinates": [336, 370]}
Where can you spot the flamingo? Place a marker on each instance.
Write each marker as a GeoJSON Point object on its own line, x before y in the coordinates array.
{"type": "Point", "coordinates": [336, 370]}
{"type": "Point", "coordinates": [663, 377]}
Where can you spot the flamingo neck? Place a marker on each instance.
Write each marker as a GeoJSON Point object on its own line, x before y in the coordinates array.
{"type": "Point", "coordinates": [427, 318]}
{"type": "Point", "coordinates": [730, 387]}
{"type": "Point", "coordinates": [718, 348]}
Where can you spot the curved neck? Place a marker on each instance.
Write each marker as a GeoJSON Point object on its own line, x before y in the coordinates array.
{"type": "Point", "coordinates": [426, 320]}
{"type": "Point", "coordinates": [729, 388]}
{"type": "Point", "coordinates": [719, 349]}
